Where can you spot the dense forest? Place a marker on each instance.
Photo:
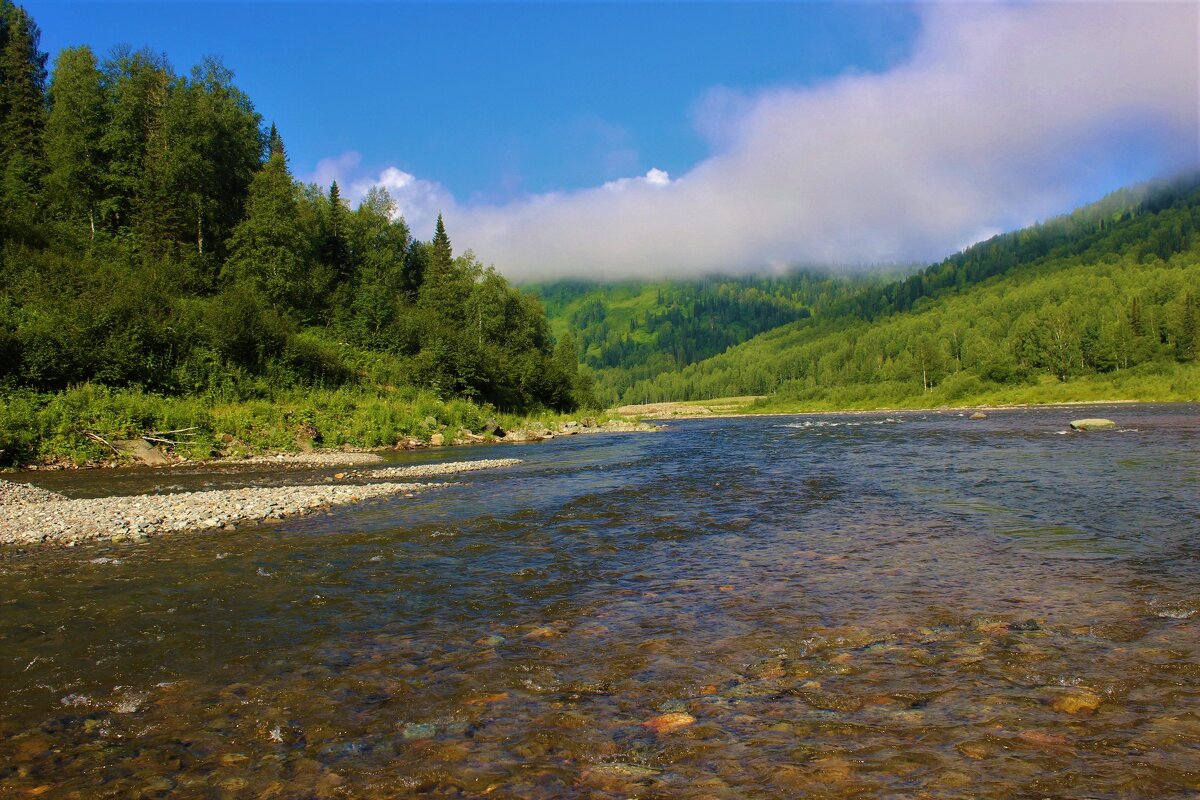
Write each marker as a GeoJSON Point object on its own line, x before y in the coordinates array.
{"type": "Point", "coordinates": [631, 332]}
{"type": "Point", "coordinates": [1106, 296]}
{"type": "Point", "coordinates": [161, 267]}
{"type": "Point", "coordinates": [640, 340]}
{"type": "Point", "coordinates": [154, 240]}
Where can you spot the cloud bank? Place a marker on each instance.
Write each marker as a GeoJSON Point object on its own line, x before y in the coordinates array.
{"type": "Point", "coordinates": [1002, 116]}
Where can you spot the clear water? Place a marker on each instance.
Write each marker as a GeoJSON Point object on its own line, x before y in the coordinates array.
{"type": "Point", "coordinates": [875, 605]}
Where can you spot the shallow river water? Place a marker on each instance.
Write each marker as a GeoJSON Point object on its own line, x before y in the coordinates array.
{"type": "Point", "coordinates": [903, 605]}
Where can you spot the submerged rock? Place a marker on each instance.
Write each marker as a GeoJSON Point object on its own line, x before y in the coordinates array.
{"type": "Point", "coordinates": [666, 723]}
{"type": "Point", "coordinates": [978, 415]}
{"type": "Point", "coordinates": [1092, 424]}
{"type": "Point", "coordinates": [1077, 701]}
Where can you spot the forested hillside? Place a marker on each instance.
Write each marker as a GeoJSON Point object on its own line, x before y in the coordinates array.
{"type": "Point", "coordinates": [630, 332]}
{"type": "Point", "coordinates": [1105, 297]}
{"type": "Point", "coordinates": [153, 241]}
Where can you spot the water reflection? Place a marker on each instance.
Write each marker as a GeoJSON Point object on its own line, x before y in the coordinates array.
{"type": "Point", "coordinates": [889, 605]}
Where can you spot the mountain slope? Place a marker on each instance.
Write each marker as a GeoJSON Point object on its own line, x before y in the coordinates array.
{"type": "Point", "coordinates": [628, 332]}
{"type": "Point", "coordinates": [1106, 291]}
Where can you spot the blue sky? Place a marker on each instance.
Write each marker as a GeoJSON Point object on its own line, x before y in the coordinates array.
{"type": "Point", "coordinates": [632, 139]}
{"type": "Point", "coordinates": [496, 99]}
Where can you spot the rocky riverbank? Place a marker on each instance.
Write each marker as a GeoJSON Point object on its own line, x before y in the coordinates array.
{"type": "Point", "coordinates": [228, 450]}
{"type": "Point", "coordinates": [33, 516]}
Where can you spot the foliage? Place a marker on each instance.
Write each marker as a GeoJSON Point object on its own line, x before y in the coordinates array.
{"type": "Point", "coordinates": [1094, 302]}
{"type": "Point", "coordinates": [154, 240]}
{"type": "Point", "coordinates": [630, 332]}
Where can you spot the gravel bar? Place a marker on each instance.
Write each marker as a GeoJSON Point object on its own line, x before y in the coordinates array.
{"type": "Point", "coordinates": [14, 494]}
{"type": "Point", "coordinates": [71, 522]}
{"type": "Point", "coordinates": [317, 458]}
{"type": "Point", "coordinates": [429, 470]}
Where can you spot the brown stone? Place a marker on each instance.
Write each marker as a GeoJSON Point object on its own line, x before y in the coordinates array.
{"type": "Point", "coordinates": [667, 723]}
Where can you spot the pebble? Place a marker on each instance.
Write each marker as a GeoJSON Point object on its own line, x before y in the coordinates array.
{"type": "Point", "coordinates": [1079, 701]}
{"type": "Point", "coordinates": [14, 494]}
{"type": "Point", "coordinates": [666, 723]}
{"type": "Point", "coordinates": [27, 515]}
{"type": "Point", "coordinates": [317, 458]}
{"type": "Point", "coordinates": [69, 522]}
{"type": "Point", "coordinates": [430, 470]}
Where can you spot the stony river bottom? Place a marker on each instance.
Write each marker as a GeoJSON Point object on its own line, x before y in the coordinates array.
{"type": "Point", "coordinates": [882, 605]}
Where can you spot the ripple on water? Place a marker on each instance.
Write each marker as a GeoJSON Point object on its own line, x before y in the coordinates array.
{"type": "Point", "coordinates": [921, 606]}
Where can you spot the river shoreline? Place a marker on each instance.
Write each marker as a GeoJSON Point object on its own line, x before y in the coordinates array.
{"type": "Point", "coordinates": [30, 516]}
{"type": "Point", "coordinates": [647, 411]}
{"type": "Point", "coordinates": [346, 455]}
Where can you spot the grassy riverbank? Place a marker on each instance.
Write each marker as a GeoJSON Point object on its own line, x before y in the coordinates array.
{"type": "Point", "coordinates": [73, 427]}
{"type": "Point", "coordinates": [1162, 383]}
{"type": "Point", "coordinates": [1154, 383]}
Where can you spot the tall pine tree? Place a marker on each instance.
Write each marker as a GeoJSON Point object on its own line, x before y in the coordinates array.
{"type": "Point", "coordinates": [268, 252]}
{"type": "Point", "coordinates": [22, 113]}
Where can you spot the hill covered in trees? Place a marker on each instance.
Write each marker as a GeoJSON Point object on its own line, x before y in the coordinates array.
{"type": "Point", "coordinates": [632, 332]}
{"type": "Point", "coordinates": [1098, 303]}
{"type": "Point", "coordinates": [153, 241]}
{"type": "Point", "coordinates": [661, 341]}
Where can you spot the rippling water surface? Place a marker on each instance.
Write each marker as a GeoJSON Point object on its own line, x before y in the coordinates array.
{"type": "Point", "coordinates": [873, 605]}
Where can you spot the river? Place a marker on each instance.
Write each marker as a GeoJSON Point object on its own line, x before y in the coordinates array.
{"type": "Point", "coordinates": [870, 605]}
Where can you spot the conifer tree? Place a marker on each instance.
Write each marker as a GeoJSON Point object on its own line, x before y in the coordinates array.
{"type": "Point", "coordinates": [267, 253]}
{"type": "Point", "coordinates": [442, 254]}
{"type": "Point", "coordinates": [22, 110]}
{"type": "Point", "coordinates": [275, 143]}
{"type": "Point", "coordinates": [444, 287]}
{"type": "Point", "coordinates": [334, 251]}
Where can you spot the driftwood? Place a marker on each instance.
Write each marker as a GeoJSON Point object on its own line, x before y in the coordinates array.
{"type": "Point", "coordinates": [103, 441]}
{"type": "Point", "coordinates": [177, 430]}
{"type": "Point", "coordinates": [160, 436]}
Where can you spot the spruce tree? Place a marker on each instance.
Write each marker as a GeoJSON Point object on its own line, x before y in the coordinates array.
{"type": "Point", "coordinates": [334, 251]}
{"type": "Point", "coordinates": [22, 111]}
{"type": "Point", "coordinates": [275, 143]}
{"type": "Point", "coordinates": [442, 254]}
{"type": "Point", "coordinates": [267, 252]}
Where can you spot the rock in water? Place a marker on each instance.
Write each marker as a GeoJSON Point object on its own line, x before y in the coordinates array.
{"type": "Point", "coordinates": [1096, 424]}
{"type": "Point", "coordinates": [1079, 701]}
{"type": "Point", "coordinates": [142, 451]}
{"type": "Point", "coordinates": [666, 723]}
{"type": "Point", "coordinates": [978, 415]}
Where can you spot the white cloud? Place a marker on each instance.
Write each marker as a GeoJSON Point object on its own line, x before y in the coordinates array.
{"type": "Point", "coordinates": [418, 201]}
{"type": "Point", "coordinates": [1003, 115]}
{"type": "Point", "coordinates": [654, 177]}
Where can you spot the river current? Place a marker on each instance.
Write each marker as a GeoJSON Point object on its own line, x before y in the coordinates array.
{"type": "Point", "coordinates": [874, 605]}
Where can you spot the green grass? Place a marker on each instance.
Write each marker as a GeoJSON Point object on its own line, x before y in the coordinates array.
{"type": "Point", "coordinates": [1155, 382]}
{"type": "Point", "coordinates": [54, 427]}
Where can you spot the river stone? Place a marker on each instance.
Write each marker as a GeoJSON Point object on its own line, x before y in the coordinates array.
{"type": "Point", "coordinates": [666, 723]}
{"type": "Point", "coordinates": [142, 451]}
{"type": "Point", "coordinates": [978, 415]}
{"type": "Point", "coordinates": [1093, 424]}
{"type": "Point", "coordinates": [1078, 701]}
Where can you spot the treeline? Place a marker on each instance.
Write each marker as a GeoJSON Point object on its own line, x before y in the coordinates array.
{"type": "Point", "coordinates": [631, 332]}
{"type": "Point", "coordinates": [1104, 294]}
{"type": "Point", "coordinates": [153, 236]}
